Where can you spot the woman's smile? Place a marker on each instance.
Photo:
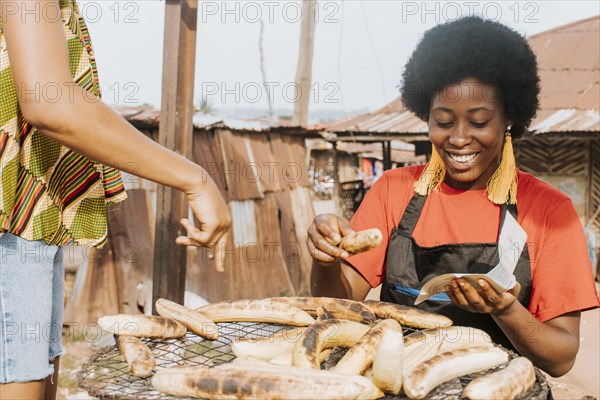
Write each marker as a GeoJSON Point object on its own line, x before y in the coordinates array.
{"type": "Point", "coordinates": [460, 166]}
{"type": "Point", "coordinates": [462, 158]}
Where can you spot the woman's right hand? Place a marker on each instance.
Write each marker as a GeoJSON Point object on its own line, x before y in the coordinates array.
{"type": "Point", "coordinates": [326, 231]}
{"type": "Point", "coordinates": [214, 219]}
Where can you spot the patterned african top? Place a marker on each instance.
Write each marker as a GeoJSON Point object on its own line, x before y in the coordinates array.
{"type": "Point", "coordinates": [47, 191]}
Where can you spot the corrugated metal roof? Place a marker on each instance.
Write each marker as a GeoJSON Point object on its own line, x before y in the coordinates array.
{"type": "Point", "coordinates": [392, 118]}
{"type": "Point", "coordinates": [151, 117]}
{"type": "Point", "coordinates": [569, 66]}
{"type": "Point", "coordinates": [143, 115]}
{"type": "Point", "coordinates": [202, 121]}
{"type": "Point", "coordinates": [566, 120]}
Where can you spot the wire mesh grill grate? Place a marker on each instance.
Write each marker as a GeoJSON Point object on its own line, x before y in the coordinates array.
{"type": "Point", "coordinates": [106, 375]}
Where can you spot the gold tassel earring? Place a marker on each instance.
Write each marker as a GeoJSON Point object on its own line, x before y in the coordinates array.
{"type": "Point", "coordinates": [502, 186]}
{"type": "Point", "coordinates": [432, 176]}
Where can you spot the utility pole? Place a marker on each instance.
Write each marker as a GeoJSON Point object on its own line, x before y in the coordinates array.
{"type": "Point", "coordinates": [263, 72]}
{"type": "Point", "coordinates": [305, 57]}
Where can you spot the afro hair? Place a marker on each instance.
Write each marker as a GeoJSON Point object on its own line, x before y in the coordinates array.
{"type": "Point", "coordinates": [479, 48]}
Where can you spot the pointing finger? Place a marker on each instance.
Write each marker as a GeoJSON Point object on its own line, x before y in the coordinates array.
{"type": "Point", "coordinates": [219, 253]}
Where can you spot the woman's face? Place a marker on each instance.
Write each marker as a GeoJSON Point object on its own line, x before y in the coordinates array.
{"type": "Point", "coordinates": [467, 126]}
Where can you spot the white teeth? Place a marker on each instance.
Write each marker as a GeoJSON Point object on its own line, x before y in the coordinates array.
{"type": "Point", "coordinates": [463, 159]}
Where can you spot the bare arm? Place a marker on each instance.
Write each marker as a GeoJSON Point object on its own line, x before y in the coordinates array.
{"type": "Point", "coordinates": [551, 345]}
{"type": "Point", "coordinates": [39, 59]}
{"type": "Point", "coordinates": [338, 279]}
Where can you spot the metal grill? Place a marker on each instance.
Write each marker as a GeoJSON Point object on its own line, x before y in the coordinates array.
{"type": "Point", "coordinates": [106, 375]}
{"type": "Point", "coordinates": [351, 195]}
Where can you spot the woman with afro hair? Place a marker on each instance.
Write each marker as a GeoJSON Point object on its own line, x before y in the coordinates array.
{"type": "Point", "coordinates": [476, 85]}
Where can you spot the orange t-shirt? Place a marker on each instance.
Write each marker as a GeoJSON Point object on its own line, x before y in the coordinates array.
{"type": "Point", "coordinates": [561, 270]}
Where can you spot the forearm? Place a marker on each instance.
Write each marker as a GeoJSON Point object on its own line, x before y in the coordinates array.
{"type": "Point", "coordinates": [326, 280]}
{"type": "Point", "coordinates": [338, 279]}
{"type": "Point", "coordinates": [76, 118]}
{"type": "Point", "coordinates": [549, 347]}
{"type": "Point", "coordinates": [96, 131]}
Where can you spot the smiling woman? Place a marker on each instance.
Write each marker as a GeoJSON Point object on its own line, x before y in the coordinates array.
{"type": "Point", "coordinates": [475, 83]}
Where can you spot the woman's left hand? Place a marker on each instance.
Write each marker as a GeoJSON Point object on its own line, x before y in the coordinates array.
{"type": "Point", "coordinates": [483, 299]}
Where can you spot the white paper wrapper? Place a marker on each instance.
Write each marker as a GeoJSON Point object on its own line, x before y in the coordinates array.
{"type": "Point", "coordinates": [511, 242]}
{"type": "Point", "coordinates": [438, 285]}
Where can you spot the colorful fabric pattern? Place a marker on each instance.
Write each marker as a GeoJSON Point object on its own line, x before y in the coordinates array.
{"type": "Point", "coordinates": [47, 191]}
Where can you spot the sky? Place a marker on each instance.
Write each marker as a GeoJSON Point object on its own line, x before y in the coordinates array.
{"type": "Point", "coordinates": [360, 47]}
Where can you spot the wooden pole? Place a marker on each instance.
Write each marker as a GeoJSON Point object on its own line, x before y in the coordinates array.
{"type": "Point", "coordinates": [175, 132]}
{"type": "Point", "coordinates": [304, 69]}
{"type": "Point", "coordinates": [339, 204]}
{"type": "Point", "coordinates": [387, 155]}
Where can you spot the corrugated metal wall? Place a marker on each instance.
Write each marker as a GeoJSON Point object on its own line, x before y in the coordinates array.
{"type": "Point", "coordinates": [264, 177]}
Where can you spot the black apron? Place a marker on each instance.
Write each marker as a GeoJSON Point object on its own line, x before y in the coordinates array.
{"type": "Point", "coordinates": [409, 266]}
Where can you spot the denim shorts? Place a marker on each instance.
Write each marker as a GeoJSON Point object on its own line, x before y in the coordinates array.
{"type": "Point", "coordinates": [31, 308]}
